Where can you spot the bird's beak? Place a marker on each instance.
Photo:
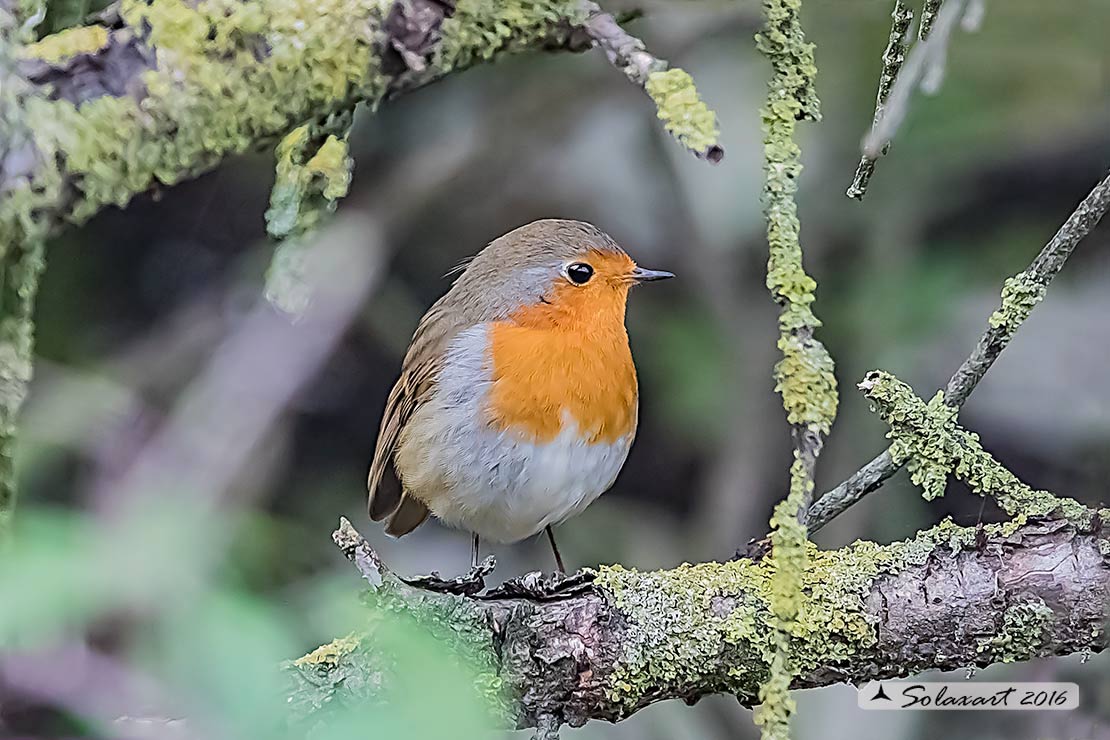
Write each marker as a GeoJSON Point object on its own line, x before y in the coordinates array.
{"type": "Point", "coordinates": [640, 275]}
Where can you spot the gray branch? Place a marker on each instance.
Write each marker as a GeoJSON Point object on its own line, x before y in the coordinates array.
{"type": "Point", "coordinates": [925, 61]}
{"type": "Point", "coordinates": [893, 56]}
{"type": "Point", "coordinates": [1021, 294]}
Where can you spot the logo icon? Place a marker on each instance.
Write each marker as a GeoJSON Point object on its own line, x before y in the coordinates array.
{"type": "Point", "coordinates": [880, 694]}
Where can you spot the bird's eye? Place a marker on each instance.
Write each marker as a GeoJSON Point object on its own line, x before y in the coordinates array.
{"type": "Point", "coordinates": [579, 273]}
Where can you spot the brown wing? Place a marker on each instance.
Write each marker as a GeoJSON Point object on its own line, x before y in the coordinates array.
{"type": "Point", "coordinates": [419, 373]}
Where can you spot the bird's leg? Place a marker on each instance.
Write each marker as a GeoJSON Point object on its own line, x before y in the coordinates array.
{"type": "Point", "coordinates": [474, 552]}
{"type": "Point", "coordinates": [555, 551]}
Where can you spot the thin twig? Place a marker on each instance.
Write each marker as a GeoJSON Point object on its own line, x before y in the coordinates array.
{"type": "Point", "coordinates": [893, 56]}
{"type": "Point", "coordinates": [929, 13]}
{"type": "Point", "coordinates": [1029, 284]}
{"type": "Point", "coordinates": [920, 58]}
{"type": "Point", "coordinates": [697, 131]}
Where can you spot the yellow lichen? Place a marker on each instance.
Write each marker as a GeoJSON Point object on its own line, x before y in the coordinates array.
{"type": "Point", "coordinates": [64, 44]}
{"type": "Point", "coordinates": [311, 177]}
{"type": "Point", "coordinates": [685, 116]}
{"type": "Point", "coordinates": [330, 654]}
{"type": "Point", "coordinates": [1020, 295]}
{"type": "Point", "coordinates": [712, 625]}
{"type": "Point", "coordinates": [788, 562]}
{"type": "Point", "coordinates": [227, 76]}
{"type": "Point", "coordinates": [928, 437]}
{"type": "Point", "coordinates": [805, 375]}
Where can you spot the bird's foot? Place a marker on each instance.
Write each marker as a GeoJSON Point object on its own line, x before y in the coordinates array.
{"type": "Point", "coordinates": [468, 584]}
{"type": "Point", "coordinates": [538, 587]}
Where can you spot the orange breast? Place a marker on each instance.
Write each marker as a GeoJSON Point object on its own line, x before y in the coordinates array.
{"type": "Point", "coordinates": [568, 359]}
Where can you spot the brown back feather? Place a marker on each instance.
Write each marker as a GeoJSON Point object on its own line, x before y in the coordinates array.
{"type": "Point", "coordinates": [419, 373]}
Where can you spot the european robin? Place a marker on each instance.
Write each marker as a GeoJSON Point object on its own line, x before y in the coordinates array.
{"type": "Point", "coordinates": [517, 400]}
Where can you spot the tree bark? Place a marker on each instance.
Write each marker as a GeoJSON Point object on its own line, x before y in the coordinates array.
{"type": "Point", "coordinates": [950, 598]}
{"type": "Point", "coordinates": [165, 89]}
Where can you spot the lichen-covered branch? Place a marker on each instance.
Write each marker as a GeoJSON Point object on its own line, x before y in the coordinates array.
{"type": "Point", "coordinates": [174, 87]}
{"type": "Point", "coordinates": [893, 56]}
{"type": "Point", "coordinates": [21, 261]}
{"type": "Point", "coordinates": [804, 376]}
{"type": "Point", "coordinates": [950, 598]}
{"type": "Point", "coordinates": [684, 115]}
{"type": "Point", "coordinates": [1019, 295]}
{"type": "Point", "coordinates": [927, 438]}
{"type": "Point", "coordinates": [313, 173]}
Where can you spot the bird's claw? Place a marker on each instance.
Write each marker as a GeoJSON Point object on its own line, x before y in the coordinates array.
{"type": "Point", "coordinates": [468, 584]}
{"type": "Point", "coordinates": [537, 587]}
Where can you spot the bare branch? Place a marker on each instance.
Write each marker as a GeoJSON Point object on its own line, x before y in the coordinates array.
{"type": "Point", "coordinates": [1020, 294]}
{"type": "Point", "coordinates": [893, 57]}
{"type": "Point", "coordinates": [924, 64]}
{"type": "Point", "coordinates": [929, 11]}
{"type": "Point", "coordinates": [921, 57]}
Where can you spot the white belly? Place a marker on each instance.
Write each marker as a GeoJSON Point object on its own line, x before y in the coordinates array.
{"type": "Point", "coordinates": [496, 484]}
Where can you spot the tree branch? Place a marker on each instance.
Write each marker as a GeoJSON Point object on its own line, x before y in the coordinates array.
{"type": "Point", "coordinates": [950, 598]}
{"type": "Point", "coordinates": [893, 56]}
{"type": "Point", "coordinates": [804, 376]}
{"type": "Point", "coordinates": [685, 116]}
{"type": "Point", "coordinates": [923, 64]}
{"type": "Point", "coordinates": [21, 260]}
{"type": "Point", "coordinates": [1019, 296]}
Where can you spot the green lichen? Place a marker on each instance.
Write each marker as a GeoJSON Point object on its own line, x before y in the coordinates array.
{"type": "Point", "coordinates": [1020, 295]}
{"type": "Point", "coordinates": [221, 84]}
{"type": "Point", "coordinates": [928, 437]}
{"type": "Point", "coordinates": [1022, 635]}
{"type": "Point", "coordinates": [311, 177]}
{"type": "Point", "coordinates": [783, 42]}
{"type": "Point", "coordinates": [713, 625]}
{"type": "Point", "coordinates": [64, 44]}
{"type": "Point", "coordinates": [228, 76]}
{"type": "Point", "coordinates": [479, 29]}
{"type": "Point", "coordinates": [22, 245]}
{"type": "Point", "coordinates": [805, 376]}
{"type": "Point", "coordinates": [788, 564]}
{"type": "Point", "coordinates": [331, 653]}
{"type": "Point", "coordinates": [685, 116]}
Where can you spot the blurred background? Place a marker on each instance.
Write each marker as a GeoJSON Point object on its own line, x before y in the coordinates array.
{"type": "Point", "coordinates": [150, 337]}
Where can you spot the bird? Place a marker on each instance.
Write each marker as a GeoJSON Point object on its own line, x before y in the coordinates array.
{"type": "Point", "coordinates": [517, 401]}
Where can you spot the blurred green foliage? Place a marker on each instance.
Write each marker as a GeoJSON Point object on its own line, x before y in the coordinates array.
{"type": "Point", "coordinates": [212, 648]}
